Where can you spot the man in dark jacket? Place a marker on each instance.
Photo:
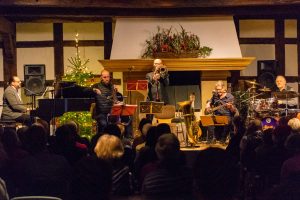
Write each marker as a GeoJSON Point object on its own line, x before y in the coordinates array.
{"type": "Point", "coordinates": [105, 98]}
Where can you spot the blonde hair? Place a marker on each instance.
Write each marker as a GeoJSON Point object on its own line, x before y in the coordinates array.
{"type": "Point", "coordinates": [109, 147]}
{"type": "Point", "coordinates": [294, 123]}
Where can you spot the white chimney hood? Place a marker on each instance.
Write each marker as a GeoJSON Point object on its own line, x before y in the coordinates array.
{"type": "Point", "coordinates": [216, 32]}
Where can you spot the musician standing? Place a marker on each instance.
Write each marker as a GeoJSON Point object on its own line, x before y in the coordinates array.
{"type": "Point", "coordinates": [283, 87]}
{"type": "Point", "coordinates": [224, 102]}
{"type": "Point", "coordinates": [105, 98]}
{"type": "Point", "coordinates": [158, 81]}
{"type": "Point", "coordinates": [13, 107]}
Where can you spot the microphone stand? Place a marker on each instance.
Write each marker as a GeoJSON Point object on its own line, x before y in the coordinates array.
{"type": "Point", "coordinates": [33, 95]}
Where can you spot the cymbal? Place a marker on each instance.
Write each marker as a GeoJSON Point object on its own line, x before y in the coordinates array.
{"type": "Point", "coordinates": [265, 90]}
{"type": "Point", "coordinates": [285, 94]}
{"type": "Point", "coordinates": [252, 82]}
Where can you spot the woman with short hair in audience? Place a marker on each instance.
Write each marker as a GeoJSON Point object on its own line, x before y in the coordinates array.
{"type": "Point", "coordinates": [111, 149]}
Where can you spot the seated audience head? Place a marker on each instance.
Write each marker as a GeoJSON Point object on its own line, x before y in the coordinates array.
{"type": "Point", "coordinates": [109, 147]}
{"type": "Point", "coordinates": [167, 149]}
{"type": "Point", "coordinates": [267, 136]}
{"type": "Point", "coordinates": [294, 123]}
{"type": "Point", "coordinates": [293, 144]}
{"type": "Point", "coordinates": [143, 122]}
{"type": "Point", "coordinates": [36, 139]}
{"type": "Point", "coordinates": [145, 129]}
{"type": "Point", "coordinates": [163, 128]}
{"type": "Point", "coordinates": [112, 129]}
{"type": "Point", "coordinates": [238, 124]}
{"type": "Point", "coordinates": [21, 133]}
{"type": "Point", "coordinates": [280, 135]}
{"type": "Point", "coordinates": [151, 137]}
{"type": "Point", "coordinates": [283, 121]}
{"type": "Point", "coordinates": [65, 136]}
{"type": "Point", "coordinates": [216, 174]}
{"type": "Point", "coordinates": [254, 126]}
{"type": "Point", "coordinates": [73, 126]}
{"type": "Point", "coordinates": [45, 125]}
{"type": "Point", "coordinates": [9, 139]}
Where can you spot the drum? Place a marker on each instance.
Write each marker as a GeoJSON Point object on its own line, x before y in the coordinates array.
{"type": "Point", "coordinates": [269, 122]}
{"type": "Point", "coordinates": [261, 105]}
{"type": "Point", "coordinates": [272, 103]}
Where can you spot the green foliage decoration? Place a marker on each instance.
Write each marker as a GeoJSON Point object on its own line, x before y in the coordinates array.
{"type": "Point", "coordinates": [169, 43]}
{"type": "Point", "coordinates": [87, 126]}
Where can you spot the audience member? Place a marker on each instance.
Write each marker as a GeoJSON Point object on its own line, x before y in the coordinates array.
{"type": "Point", "coordinates": [42, 173]}
{"type": "Point", "coordinates": [110, 149]}
{"type": "Point", "coordinates": [239, 129]}
{"type": "Point", "coordinates": [292, 165]}
{"type": "Point", "coordinates": [216, 175]}
{"type": "Point", "coordinates": [170, 180]}
{"type": "Point", "coordinates": [3, 191]}
{"type": "Point", "coordinates": [92, 179]}
{"type": "Point", "coordinates": [65, 145]}
{"type": "Point", "coordinates": [287, 190]}
{"type": "Point", "coordinates": [251, 140]}
{"type": "Point", "coordinates": [139, 139]}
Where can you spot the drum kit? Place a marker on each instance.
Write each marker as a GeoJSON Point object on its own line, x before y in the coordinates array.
{"type": "Point", "coordinates": [263, 103]}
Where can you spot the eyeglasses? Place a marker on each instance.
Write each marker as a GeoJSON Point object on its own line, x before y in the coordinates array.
{"type": "Point", "coordinates": [105, 76]}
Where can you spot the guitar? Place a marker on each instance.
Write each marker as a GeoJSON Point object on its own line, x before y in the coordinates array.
{"type": "Point", "coordinates": [212, 110]}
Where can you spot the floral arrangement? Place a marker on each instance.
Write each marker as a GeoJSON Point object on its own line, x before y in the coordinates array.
{"type": "Point", "coordinates": [166, 43]}
{"type": "Point", "coordinates": [78, 70]}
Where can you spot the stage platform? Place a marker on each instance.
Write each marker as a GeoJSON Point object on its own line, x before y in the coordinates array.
{"type": "Point", "coordinates": [192, 152]}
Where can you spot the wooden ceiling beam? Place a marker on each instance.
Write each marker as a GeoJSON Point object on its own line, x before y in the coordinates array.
{"type": "Point", "coordinates": [6, 26]}
{"type": "Point", "coordinates": [145, 3]}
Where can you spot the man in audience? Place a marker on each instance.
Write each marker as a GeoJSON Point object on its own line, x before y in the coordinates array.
{"type": "Point", "coordinates": [170, 180]}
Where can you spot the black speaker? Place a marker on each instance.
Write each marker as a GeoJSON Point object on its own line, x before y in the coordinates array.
{"type": "Point", "coordinates": [267, 70]}
{"type": "Point", "coordinates": [34, 79]}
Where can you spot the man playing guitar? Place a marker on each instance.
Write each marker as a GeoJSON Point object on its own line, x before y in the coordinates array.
{"type": "Point", "coordinates": [221, 104]}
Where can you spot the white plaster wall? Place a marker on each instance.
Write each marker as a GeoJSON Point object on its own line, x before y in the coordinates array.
{"type": "Point", "coordinates": [261, 52]}
{"type": "Point", "coordinates": [34, 31]}
{"type": "Point", "coordinates": [291, 60]}
{"type": "Point", "coordinates": [257, 28]}
{"type": "Point", "coordinates": [86, 31]}
{"type": "Point", "coordinates": [216, 32]}
{"type": "Point", "coordinates": [43, 55]}
{"type": "Point", "coordinates": [92, 53]}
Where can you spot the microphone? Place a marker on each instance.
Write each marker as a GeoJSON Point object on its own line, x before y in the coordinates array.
{"type": "Point", "coordinates": [31, 92]}
{"type": "Point", "coordinates": [45, 92]}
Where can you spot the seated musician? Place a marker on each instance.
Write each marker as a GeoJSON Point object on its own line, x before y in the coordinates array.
{"type": "Point", "coordinates": [221, 104]}
{"type": "Point", "coordinates": [283, 87]}
{"type": "Point", "coordinates": [13, 107]}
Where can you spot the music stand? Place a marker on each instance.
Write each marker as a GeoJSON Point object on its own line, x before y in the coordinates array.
{"type": "Point", "coordinates": [136, 85]}
{"type": "Point", "coordinates": [213, 120]}
{"type": "Point", "coordinates": [151, 107]}
{"type": "Point", "coordinates": [123, 110]}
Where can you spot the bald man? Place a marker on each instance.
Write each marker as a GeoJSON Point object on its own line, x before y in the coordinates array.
{"type": "Point", "coordinates": [105, 97]}
{"type": "Point", "coordinates": [157, 83]}
{"type": "Point", "coordinates": [282, 87]}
